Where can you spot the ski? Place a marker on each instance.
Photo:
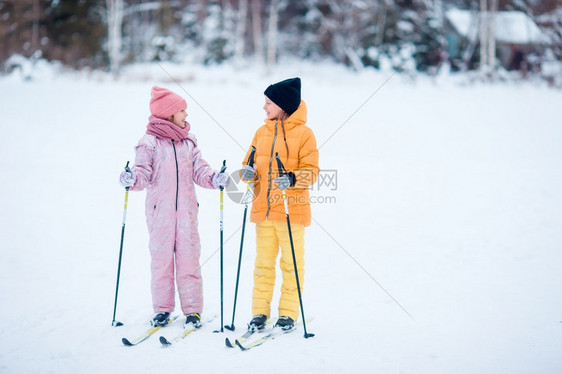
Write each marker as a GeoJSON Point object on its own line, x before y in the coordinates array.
{"type": "Point", "coordinates": [185, 332]}
{"type": "Point", "coordinates": [269, 336]}
{"type": "Point", "coordinates": [146, 334]}
{"type": "Point", "coordinates": [275, 332]}
{"type": "Point", "coordinates": [240, 339]}
{"type": "Point", "coordinates": [246, 336]}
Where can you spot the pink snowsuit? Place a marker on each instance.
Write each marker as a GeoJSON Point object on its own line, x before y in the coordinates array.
{"type": "Point", "coordinates": [168, 170]}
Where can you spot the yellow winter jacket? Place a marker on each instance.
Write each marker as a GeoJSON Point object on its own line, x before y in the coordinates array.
{"type": "Point", "coordinates": [302, 160]}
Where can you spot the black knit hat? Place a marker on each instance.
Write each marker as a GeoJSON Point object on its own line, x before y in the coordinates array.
{"type": "Point", "coordinates": [286, 94]}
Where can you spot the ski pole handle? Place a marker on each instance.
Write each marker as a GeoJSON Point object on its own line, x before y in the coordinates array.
{"type": "Point", "coordinates": [279, 164]}
{"type": "Point", "coordinates": [127, 188]}
{"type": "Point", "coordinates": [251, 157]}
{"type": "Point", "coordinates": [223, 168]}
{"type": "Point", "coordinates": [126, 196]}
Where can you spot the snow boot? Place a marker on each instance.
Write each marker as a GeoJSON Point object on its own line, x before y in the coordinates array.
{"type": "Point", "coordinates": [257, 323]}
{"type": "Point", "coordinates": [160, 319]}
{"type": "Point", "coordinates": [285, 323]}
{"type": "Point", "coordinates": [193, 319]}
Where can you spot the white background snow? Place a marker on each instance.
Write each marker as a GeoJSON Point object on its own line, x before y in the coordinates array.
{"type": "Point", "coordinates": [447, 202]}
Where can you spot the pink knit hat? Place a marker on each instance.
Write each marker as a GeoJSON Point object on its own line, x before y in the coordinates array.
{"type": "Point", "coordinates": [164, 103]}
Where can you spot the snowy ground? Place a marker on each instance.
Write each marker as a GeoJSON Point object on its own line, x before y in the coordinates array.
{"type": "Point", "coordinates": [437, 252]}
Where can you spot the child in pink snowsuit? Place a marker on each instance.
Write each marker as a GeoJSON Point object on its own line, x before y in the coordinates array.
{"type": "Point", "coordinates": [168, 163]}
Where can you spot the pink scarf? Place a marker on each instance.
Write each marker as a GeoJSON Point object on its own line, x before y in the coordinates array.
{"type": "Point", "coordinates": [166, 130]}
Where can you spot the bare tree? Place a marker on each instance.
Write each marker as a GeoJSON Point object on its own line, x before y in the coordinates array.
{"type": "Point", "coordinates": [114, 24]}
{"type": "Point", "coordinates": [483, 36]}
{"type": "Point", "coordinates": [35, 28]}
{"type": "Point", "coordinates": [488, 37]}
{"type": "Point", "coordinates": [492, 38]}
{"type": "Point", "coordinates": [241, 30]}
{"type": "Point", "coordinates": [381, 21]}
{"type": "Point", "coordinates": [472, 36]}
{"type": "Point", "coordinates": [166, 16]}
{"type": "Point", "coordinates": [257, 31]}
{"type": "Point", "coordinates": [202, 12]}
{"type": "Point", "coordinates": [21, 27]}
{"type": "Point", "coordinates": [272, 34]}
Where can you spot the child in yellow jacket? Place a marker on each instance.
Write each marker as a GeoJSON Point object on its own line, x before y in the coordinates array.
{"type": "Point", "coordinates": [284, 133]}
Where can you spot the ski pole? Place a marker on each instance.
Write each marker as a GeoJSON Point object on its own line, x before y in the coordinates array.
{"type": "Point", "coordinates": [221, 250]}
{"type": "Point", "coordinates": [113, 322]}
{"type": "Point", "coordinates": [281, 172]}
{"type": "Point", "coordinates": [244, 198]}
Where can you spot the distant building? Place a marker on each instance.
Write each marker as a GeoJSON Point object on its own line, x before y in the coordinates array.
{"type": "Point", "coordinates": [519, 41]}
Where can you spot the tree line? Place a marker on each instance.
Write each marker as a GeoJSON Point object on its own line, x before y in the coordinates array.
{"type": "Point", "coordinates": [108, 34]}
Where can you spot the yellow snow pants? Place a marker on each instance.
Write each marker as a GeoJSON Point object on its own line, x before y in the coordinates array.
{"type": "Point", "coordinates": [270, 236]}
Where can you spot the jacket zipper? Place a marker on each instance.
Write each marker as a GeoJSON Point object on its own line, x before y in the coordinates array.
{"type": "Point", "coordinates": [177, 175]}
{"type": "Point", "coordinates": [269, 173]}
